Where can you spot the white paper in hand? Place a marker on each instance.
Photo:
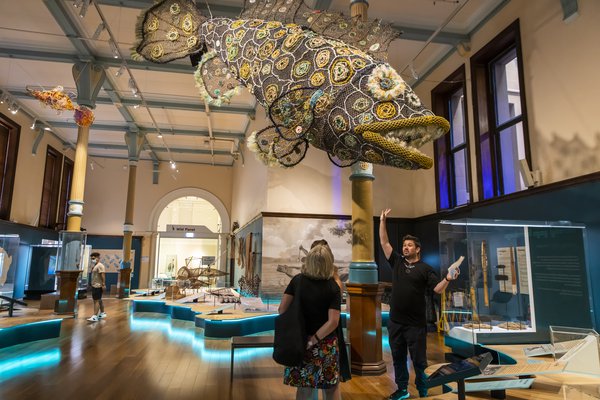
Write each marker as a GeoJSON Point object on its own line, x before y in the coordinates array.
{"type": "Point", "coordinates": [454, 269]}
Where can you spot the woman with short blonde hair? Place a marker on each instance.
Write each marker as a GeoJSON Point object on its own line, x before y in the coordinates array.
{"type": "Point", "coordinates": [320, 301]}
{"type": "Point", "coordinates": [319, 263]}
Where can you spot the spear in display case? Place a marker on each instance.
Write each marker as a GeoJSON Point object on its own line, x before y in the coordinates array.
{"type": "Point", "coordinates": [484, 270]}
{"type": "Point", "coordinates": [513, 271]}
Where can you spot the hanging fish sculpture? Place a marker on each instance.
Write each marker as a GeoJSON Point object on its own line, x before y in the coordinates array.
{"type": "Point", "coordinates": [321, 78]}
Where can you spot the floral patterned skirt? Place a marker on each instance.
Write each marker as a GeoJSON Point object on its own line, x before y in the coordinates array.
{"type": "Point", "coordinates": [320, 367]}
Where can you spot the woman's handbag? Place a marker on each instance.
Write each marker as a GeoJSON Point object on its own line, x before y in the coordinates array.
{"type": "Point", "coordinates": [289, 344]}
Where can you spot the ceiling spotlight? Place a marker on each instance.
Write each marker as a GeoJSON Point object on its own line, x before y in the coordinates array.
{"type": "Point", "coordinates": [159, 135]}
{"type": "Point", "coordinates": [414, 72]}
{"type": "Point", "coordinates": [114, 49]}
{"type": "Point", "coordinates": [120, 71]}
{"type": "Point", "coordinates": [47, 128]}
{"type": "Point", "coordinates": [77, 3]}
{"type": "Point", "coordinates": [173, 165]}
{"type": "Point", "coordinates": [98, 31]}
{"type": "Point", "coordinates": [84, 8]}
{"type": "Point", "coordinates": [92, 165]}
{"type": "Point", "coordinates": [136, 106]}
{"type": "Point", "coordinates": [33, 123]}
{"type": "Point", "coordinates": [3, 98]}
{"type": "Point", "coordinates": [15, 108]}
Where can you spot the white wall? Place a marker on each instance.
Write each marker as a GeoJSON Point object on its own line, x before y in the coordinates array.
{"type": "Point", "coordinates": [561, 86]}
{"type": "Point", "coordinates": [106, 192]}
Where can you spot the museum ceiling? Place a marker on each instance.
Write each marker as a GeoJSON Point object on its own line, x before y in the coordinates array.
{"type": "Point", "coordinates": [40, 40]}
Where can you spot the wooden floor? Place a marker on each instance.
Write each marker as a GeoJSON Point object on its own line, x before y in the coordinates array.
{"type": "Point", "coordinates": [148, 356]}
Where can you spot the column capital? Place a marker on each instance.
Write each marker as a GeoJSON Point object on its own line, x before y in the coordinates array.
{"type": "Point", "coordinates": [362, 170]}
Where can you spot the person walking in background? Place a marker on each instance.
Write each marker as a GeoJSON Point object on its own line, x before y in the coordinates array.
{"type": "Point", "coordinates": [98, 286]}
{"type": "Point", "coordinates": [407, 326]}
{"type": "Point", "coordinates": [320, 301]}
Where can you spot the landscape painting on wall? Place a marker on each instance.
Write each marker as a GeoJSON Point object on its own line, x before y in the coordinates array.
{"type": "Point", "coordinates": [286, 241]}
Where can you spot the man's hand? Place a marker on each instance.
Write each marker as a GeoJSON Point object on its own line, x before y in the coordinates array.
{"type": "Point", "coordinates": [384, 214]}
{"type": "Point", "coordinates": [453, 270]}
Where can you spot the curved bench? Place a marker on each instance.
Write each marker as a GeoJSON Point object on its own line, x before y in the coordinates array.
{"type": "Point", "coordinates": [29, 332]}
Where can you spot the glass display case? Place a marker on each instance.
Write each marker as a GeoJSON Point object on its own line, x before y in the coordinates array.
{"type": "Point", "coordinates": [9, 247]}
{"type": "Point", "coordinates": [517, 279]}
{"type": "Point", "coordinates": [71, 250]}
{"type": "Point", "coordinates": [41, 277]}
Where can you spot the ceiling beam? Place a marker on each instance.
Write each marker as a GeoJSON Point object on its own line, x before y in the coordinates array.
{"type": "Point", "coordinates": [23, 54]}
{"type": "Point", "coordinates": [171, 105]}
{"type": "Point", "coordinates": [151, 130]}
{"type": "Point", "coordinates": [156, 172]}
{"type": "Point", "coordinates": [422, 35]}
{"type": "Point", "coordinates": [121, 147]}
{"type": "Point", "coordinates": [220, 10]}
{"type": "Point", "coordinates": [408, 33]}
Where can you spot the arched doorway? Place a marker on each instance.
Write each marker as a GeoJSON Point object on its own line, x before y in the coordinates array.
{"type": "Point", "coordinates": [190, 228]}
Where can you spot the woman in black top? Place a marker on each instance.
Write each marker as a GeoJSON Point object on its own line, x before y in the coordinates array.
{"type": "Point", "coordinates": [320, 300]}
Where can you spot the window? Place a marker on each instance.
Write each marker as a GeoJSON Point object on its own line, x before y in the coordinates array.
{"type": "Point", "coordinates": [452, 150]}
{"type": "Point", "coordinates": [501, 123]}
{"type": "Point", "coordinates": [55, 191]}
{"type": "Point", "coordinates": [9, 147]}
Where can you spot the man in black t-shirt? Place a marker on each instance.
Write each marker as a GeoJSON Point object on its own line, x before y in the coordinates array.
{"type": "Point", "coordinates": [407, 326]}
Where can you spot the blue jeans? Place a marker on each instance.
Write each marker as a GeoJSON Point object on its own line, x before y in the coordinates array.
{"type": "Point", "coordinates": [404, 339]}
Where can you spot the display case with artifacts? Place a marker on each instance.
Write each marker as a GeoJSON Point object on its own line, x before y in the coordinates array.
{"type": "Point", "coordinates": [517, 279]}
{"type": "Point", "coordinates": [9, 247]}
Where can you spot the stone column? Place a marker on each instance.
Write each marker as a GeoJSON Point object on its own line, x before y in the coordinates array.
{"type": "Point", "coordinates": [364, 291]}
{"type": "Point", "coordinates": [135, 141]}
{"type": "Point", "coordinates": [88, 79]}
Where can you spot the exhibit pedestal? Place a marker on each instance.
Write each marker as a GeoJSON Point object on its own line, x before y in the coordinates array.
{"type": "Point", "coordinates": [124, 283]}
{"type": "Point", "coordinates": [365, 328]}
{"type": "Point", "coordinates": [67, 303]}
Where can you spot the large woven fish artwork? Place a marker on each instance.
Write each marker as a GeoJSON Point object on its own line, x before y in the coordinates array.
{"type": "Point", "coordinates": [321, 77]}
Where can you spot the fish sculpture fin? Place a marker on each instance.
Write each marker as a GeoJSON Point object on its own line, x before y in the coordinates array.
{"type": "Point", "coordinates": [168, 31]}
{"type": "Point", "coordinates": [216, 83]}
{"type": "Point", "coordinates": [273, 150]}
{"type": "Point", "coordinates": [371, 36]}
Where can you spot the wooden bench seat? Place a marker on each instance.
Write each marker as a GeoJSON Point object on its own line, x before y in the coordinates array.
{"type": "Point", "coordinates": [247, 342]}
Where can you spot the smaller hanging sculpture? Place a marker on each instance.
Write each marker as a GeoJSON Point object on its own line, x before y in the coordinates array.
{"type": "Point", "coordinates": [321, 77]}
{"type": "Point", "coordinates": [58, 100]}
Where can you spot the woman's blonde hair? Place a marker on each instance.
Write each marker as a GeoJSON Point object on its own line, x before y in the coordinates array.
{"type": "Point", "coordinates": [319, 263]}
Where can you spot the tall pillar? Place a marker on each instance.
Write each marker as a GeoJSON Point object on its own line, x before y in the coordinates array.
{"type": "Point", "coordinates": [88, 79]}
{"type": "Point", "coordinates": [358, 9]}
{"type": "Point", "coordinates": [135, 141]}
{"type": "Point", "coordinates": [364, 291]}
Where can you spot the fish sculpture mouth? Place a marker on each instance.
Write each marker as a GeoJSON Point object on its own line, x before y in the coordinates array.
{"type": "Point", "coordinates": [402, 137]}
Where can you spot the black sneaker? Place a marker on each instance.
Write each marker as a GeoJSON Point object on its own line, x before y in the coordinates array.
{"type": "Point", "coordinates": [399, 395]}
{"type": "Point", "coordinates": [422, 392]}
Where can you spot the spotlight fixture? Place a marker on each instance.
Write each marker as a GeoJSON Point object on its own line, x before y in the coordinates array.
{"type": "Point", "coordinates": [414, 72]}
{"type": "Point", "coordinates": [77, 3]}
{"type": "Point", "coordinates": [133, 87]}
{"type": "Point", "coordinates": [159, 135]}
{"type": "Point", "coordinates": [136, 106]}
{"type": "Point", "coordinates": [120, 71]}
{"type": "Point", "coordinates": [173, 165]}
{"type": "Point", "coordinates": [98, 31]}
{"type": "Point", "coordinates": [33, 123]}
{"type": "Point", "coordinates": [3, 98]}
{"type": "Point", "coordinates": [15, 108]}
{"type": "Point", "coordinates": [84, 8]}
{"type": "Point", "coordinates": [114, 49]}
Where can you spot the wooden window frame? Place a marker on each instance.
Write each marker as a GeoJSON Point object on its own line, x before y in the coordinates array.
{"type": "Point", "coordinates": [8, 159]}
{"type": "Point", "coordinates": [440, 98]}
{"type": "Point", "coordinates": [484, 106]}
